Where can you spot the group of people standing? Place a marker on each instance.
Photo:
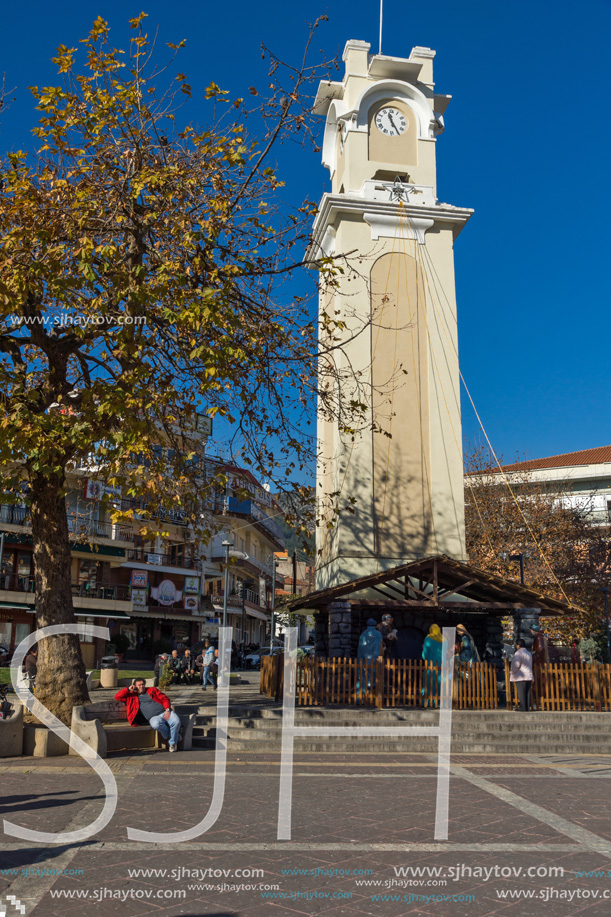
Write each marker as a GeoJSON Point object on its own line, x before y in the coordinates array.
{"type": "Point", "coordinates": [381, 640]}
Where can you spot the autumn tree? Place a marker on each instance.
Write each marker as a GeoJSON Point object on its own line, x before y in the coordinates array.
{"type": "Point", "coordinates": [566, 551]}
{"type": "Point", "coordinates": [143, 279]}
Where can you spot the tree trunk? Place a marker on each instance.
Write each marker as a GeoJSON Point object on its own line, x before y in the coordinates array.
{"type": "Point", "coordinates": [61, 679]}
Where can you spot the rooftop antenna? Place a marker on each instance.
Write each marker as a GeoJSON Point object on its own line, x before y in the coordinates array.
{"type": "Point", "coordinates": [381, 12]}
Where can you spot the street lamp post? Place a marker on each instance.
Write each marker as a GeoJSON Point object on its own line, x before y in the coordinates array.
{"type": "Point", "coordinates": [273, 625]}
{"type": "Point", "coordinates": [245, 586]}
{"type": "Point", "coordinates": [226, 545]}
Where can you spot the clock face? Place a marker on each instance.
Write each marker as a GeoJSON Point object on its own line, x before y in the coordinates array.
{"type": "Point", "coordinates": [391, 121]}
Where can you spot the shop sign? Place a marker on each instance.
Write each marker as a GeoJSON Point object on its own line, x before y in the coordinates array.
{"type": "Point", "coordinates": [192, 584]}
{"type": "Point", "coordinates": [95, 490]}
{"type": "Point", "coordinates": [140, 579]}
{"type": "Point", "coordinates": [191, 602]}
{"type": "Point", "coordinates": [166, 593]}
{"type": "Point", "coordinates": [139, 598]}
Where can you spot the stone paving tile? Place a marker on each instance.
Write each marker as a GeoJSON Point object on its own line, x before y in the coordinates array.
{"type": "Point", "coordinates": [572, 798]}
{"type": "Point", "coordinates": [157, 793]}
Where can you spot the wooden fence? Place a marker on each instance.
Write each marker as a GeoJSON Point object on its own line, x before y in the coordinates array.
{"type": "Point", "coordinates": [566, 686]}
{"type": "Point", "coordinates": [380, 683]}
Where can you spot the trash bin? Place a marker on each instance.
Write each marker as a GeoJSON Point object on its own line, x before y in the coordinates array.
{"type": "Point", "coordinates": [109, 672]}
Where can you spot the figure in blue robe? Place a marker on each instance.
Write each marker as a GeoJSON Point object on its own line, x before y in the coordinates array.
{"type": "Point", "coordinates": [369, 642]}
{"type": "Point", "coordinates": [467, 651]}
{"type": "Point", "coordinates": [369, 648]}
{"type": "Point", "coordinates": [431, 652]}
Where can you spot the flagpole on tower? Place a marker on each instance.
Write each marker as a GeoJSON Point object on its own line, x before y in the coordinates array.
{"type": "Point", "coordinates": [381, 11]}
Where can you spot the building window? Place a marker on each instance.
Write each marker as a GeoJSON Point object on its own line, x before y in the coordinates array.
{"type": "Point", "coordinates": [87, 572]}
{"type": "Point", "coordinates": [24, 565]}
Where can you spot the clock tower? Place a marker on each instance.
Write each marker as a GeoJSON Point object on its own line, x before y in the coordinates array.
{"type": "Point", "coordinates": [396, 475]}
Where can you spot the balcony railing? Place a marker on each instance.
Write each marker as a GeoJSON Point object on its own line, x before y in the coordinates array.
{"type": "Point", "coordinates": [235, 600]}
{"type": "Point", "coordinates": [175, 516]}
{"type": "Point", "coordinates": [14, 515]}
{"type": "Point", "coordinates": [81, 526]}
{"type": "Point", "coordinates": [14, 582]}
{"type": "Point", "coordinates": [141, 556]}
{"type": "Point", "coordinates": [231, 505]}
{"type": "Point", "coordinates": [110, 593]}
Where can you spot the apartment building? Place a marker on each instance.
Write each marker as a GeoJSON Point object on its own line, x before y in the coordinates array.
{"type": "Point", "coordinates": [160, 593]}
{"type": "Point", "coordinates": [246, 515]}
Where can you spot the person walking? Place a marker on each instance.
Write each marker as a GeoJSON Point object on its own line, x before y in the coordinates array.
{"type": "Point", "coordinates": [208, 665]}
{"type": "Point", "coordinates": [522, 675]}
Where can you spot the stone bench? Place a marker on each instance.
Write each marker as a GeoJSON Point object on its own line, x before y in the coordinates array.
{"type": "Point", "coordinates": [11, 734]}
{"type": "Point", "coordinates": [104, 728]}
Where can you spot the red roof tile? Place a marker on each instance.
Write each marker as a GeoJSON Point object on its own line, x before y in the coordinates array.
{"type": "Point", "coordinates": [597, 456]}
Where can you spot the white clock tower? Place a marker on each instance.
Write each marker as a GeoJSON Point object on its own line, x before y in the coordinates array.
{"type": "Point", "coordinates": [396, 302]}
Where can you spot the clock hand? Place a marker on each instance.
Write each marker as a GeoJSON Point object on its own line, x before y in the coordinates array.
{"type": "Point", "coordinates": [392, 122]}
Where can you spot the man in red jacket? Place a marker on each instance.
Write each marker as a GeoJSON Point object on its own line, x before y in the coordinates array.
{"type": "Point", "coordinates": [148, 705]}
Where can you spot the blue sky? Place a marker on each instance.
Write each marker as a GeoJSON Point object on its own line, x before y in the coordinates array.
{"type": "Point", "coordinates": [526, 145]}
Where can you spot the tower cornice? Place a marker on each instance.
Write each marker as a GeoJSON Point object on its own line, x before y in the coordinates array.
{"type": "Point", "coordinates": [386, 219]}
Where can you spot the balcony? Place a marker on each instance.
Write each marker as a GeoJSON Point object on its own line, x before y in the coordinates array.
{"type": "Point", "coordinates": [115, 593]}
{"type": "Point", "coordinates": [174, 516]}
{"type": "Point", "coordinates": [186, 561]}
{"type": "Point", "coordinates": [235, 601]}
{"type": "Point", "coordinates": [14, 582]}
{"type": "Point", "coordinates": [82, 526]}
{"type": "Point", "coordinates": [10, 514]}
{"type": "Point", "coordinates": [248, 508]}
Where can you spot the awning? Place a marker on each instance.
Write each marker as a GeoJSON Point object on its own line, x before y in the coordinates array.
{"type": "Point", "coordinates": [257, 614]}
{"type": "Point", "coordinates": [97, 613]}
{"type": "Point", "coordinates": [163, 616]}
{"type": "Point", "coordinates": [79, 612]}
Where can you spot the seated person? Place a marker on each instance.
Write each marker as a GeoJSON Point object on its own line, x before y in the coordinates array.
{"type": "Point", "coordinates": [189, 673]}
{"type": "Point", "coordinates": [176, 667]}
{"type": "Point", "coordinates": [30, 666]}
{"type": "Point", "coordinates": [152, 707]}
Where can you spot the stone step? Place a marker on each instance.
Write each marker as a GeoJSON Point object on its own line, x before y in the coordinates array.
{"type": "Point", "coordinates": [535, 725]}
{"type": "Point", "coordinates": [251, 736]}
{"type": "Point", "coordinates": [350, 713]}
{"type": "Point", "coordinates": [414, 746]}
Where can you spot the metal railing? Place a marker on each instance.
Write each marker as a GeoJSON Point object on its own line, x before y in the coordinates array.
{"type": "Point", "coordinates": [94, 591]}
{"type": "Point", "coordinates": [140, 555]}
{"type": "Point", "coordinates": [14, 582]}
{"type": "Point", "coordinates": [231, 505]}
{"type": "Point", "coordinates": [14, 515]}
{"type": "Point", "coordinates": [236, 599]}
{"type": "Point", "coordinates": [93, 528]}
